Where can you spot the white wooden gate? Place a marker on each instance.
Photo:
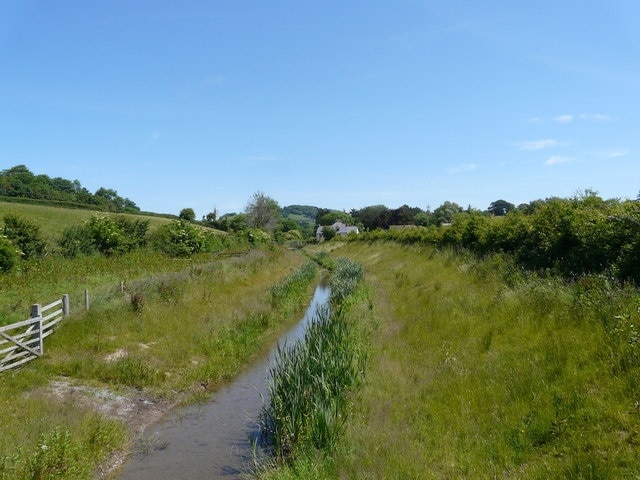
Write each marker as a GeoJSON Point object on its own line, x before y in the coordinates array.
{"type": "Point", "coordinates": [23, 341]}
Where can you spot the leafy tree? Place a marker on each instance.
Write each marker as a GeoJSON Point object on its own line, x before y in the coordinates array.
{"type": "Point", "coordinates": [211, 219]}
{"type": "Point", "coordinates": [424, 219]}
{"type": "Point", "coordinates": [25, 235]}
{"type": "Point", "coordinates": [187, 214]}
{"type": "Point", "coordinates": [329, 217]}
{"type": "Point", "coordinates": [372, 217]}
{"type": "Point", "coordinates": [263, 212]}
{"type": "Point", "coordinates": [500, 208]}
{"type": "Point", "coordinates": [445, 212]}
{"type": "Point", "coordinates": [404, 215]}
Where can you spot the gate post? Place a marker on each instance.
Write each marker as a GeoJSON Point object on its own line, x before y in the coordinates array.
{"type": "Point", "coordinates": [36, 312]}
{"type": "Point", "coordinates": [66, 309]}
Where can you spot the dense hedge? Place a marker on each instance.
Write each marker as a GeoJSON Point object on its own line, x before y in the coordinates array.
{"type": "Point", "coordinates": [571, 237]}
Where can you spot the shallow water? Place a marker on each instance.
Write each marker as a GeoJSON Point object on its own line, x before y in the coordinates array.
{"type": "Point", "coordinates": [213, 440]}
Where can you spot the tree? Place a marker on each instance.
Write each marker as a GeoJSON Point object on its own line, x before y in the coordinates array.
{"type": "Point", "coordinates": [187, 214]}
{"type": "Point", "coordinates": [263, 212]}
{"type": "Point", "coordinates": [500, 208]}
{"type": "Point", "coordinates": [445, 212]}
{"type": "Point", "coordinates": [372, 217]}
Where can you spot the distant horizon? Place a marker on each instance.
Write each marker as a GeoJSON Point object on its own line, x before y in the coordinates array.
{"type": "Point", "coordinates": [200, 104]}
{"type": "Point", "coordinates": [282, 206]}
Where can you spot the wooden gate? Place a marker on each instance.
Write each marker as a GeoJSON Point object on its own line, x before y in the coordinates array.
{"type": "Point", "coordinates": [24, 341]}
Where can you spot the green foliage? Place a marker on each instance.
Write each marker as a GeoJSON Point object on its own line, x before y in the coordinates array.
{"type": "Point", "coordinates": [9, 254]}
{"type": "Point", "coordinates": [19, 182]}
{"type": "Point", "coordinates": [25, 234]}
{"type": "Point", "coordinates": [571, 237]}
{"type": "Point", "coordinates": [309, 384]}
{"type": "Point", "coordinates": [181, 239]}
{"type": "Point", "coordinates": [345, 278]}
{"type": "Point", "coordinates": [294, 285]}
{"type": "Point", "coordinates": [263, 212]}
{"type": "Point", "coordinates": [187, 214]}
{"type": "Point", "coordinates": [328, 233]}
{"type": "Point", "coordinates": [483, 369]}
{"type": "Point", "coordinates": [104, 234]}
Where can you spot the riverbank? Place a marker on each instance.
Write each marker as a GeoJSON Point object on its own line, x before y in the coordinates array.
{"type": "Point", "coordinates": [110, 372]}
{"type": "Point", "coordinates": [481, 370]}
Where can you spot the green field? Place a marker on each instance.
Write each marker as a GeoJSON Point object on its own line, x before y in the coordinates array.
{"type": "Point", "coordinates": [53, 220]}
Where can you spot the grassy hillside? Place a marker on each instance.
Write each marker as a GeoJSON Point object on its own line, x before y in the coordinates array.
{"type": "Point", "coordinates": [53, 220]}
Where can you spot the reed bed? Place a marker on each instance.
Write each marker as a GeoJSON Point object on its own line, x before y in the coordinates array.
{"type": "Point", "coordinates": [311, 379]}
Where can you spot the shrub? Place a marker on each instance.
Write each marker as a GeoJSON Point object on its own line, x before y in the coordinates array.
{"type": "Point", "coordinates": [104, 234]}
{"type": "Point", "coordinates": [9, 254]}
{"type": "Point", "coordinates": [181, 239]}
{"type": "Point", "coordinates": [25, 234]}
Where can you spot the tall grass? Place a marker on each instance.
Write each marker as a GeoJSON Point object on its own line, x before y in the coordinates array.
{"type": "Point", "coordinates": [311, 379]}
{"type": "Point", "coordinates": [163, 338]}
{"type": "Point", "coordinates": [482, 370]}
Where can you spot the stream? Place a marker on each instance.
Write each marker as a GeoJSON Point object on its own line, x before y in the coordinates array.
{"type": "Point", "coordinates": [213, 440]}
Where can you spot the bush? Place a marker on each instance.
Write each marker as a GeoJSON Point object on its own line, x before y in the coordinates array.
{"type": "Point", "coordinates": [104, 234]}
{"type": "Point", "coordinates": [181, 239]}
{"type": "Point", "coordinates": [9, 254]}
{"type": "Point", "coordinates": [25, 234]}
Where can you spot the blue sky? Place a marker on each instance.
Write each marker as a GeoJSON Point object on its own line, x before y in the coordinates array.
{"type": "Point", "coordinates": [338, 104]}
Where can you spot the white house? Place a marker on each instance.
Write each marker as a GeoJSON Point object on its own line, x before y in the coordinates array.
{"type": "Point", "coordinates": [340, 228]}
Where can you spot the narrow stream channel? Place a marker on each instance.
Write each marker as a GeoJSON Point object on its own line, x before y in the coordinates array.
{"type": "Point", "coordinates": [212, 440]}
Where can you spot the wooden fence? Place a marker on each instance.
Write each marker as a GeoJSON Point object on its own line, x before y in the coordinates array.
{"type": "Point", "coordinates": [23, 341]}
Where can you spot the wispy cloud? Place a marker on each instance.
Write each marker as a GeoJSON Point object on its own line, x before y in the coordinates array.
{"type": "Point", "coordinates": [564, 118]}
{"type": "Point", "coordinates": [556, 159]}
{"type": "Point", "coordinates": [537, 144]}
{"type": "Point", "coordinates": [465, 168]}
{"type": "Point", "coordinates": [589, 117]}
{"type": "Point", "coordinates": [616, 153]}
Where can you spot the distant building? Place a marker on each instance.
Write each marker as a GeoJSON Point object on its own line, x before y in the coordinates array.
{"type": "Point", "coordinates": [340, 228]}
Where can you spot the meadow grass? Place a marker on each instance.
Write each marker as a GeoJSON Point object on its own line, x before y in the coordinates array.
{"type": "Point", "coordinates": [481, 370]}
{"type": "Point", "coordinates": [54, 220]}
{"type": "Point", "coordinates": [168, 335]}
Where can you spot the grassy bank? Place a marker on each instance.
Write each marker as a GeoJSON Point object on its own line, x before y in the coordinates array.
{"type": "Point", "coordinates": [53, 220]}
{"type": "Point", "coordinates": [171, 336]}
{"type": "Point", "coordinates": [481, 371]}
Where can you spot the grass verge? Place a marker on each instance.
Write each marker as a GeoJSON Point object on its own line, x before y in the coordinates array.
{"type": "Point", "coordinates": [479, 370]}
{"type": "Point", "coordinates": [173, 336]}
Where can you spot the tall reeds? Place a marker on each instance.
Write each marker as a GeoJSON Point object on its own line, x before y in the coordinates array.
{"type": "Point", "coordinates": [309, 384]}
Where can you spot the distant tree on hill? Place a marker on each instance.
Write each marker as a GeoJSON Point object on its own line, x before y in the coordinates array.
{"type": "Point", "coordinates": [187, 214]}
{"type": "Point", "coordinates": [263, 212]}
{"type": "Point", "coordinates": [19, 182]}
{"type": "Point", "coordinates": [500, 208]}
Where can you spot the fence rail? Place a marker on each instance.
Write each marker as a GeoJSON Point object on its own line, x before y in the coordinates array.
{"type": "Point", "coordinates": [23, 341]}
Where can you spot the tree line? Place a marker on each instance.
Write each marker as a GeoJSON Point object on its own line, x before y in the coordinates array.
{"type": "Point", "coordinates": [20, 183]}
{"type": "Point", "coordinates": [572, 237]}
